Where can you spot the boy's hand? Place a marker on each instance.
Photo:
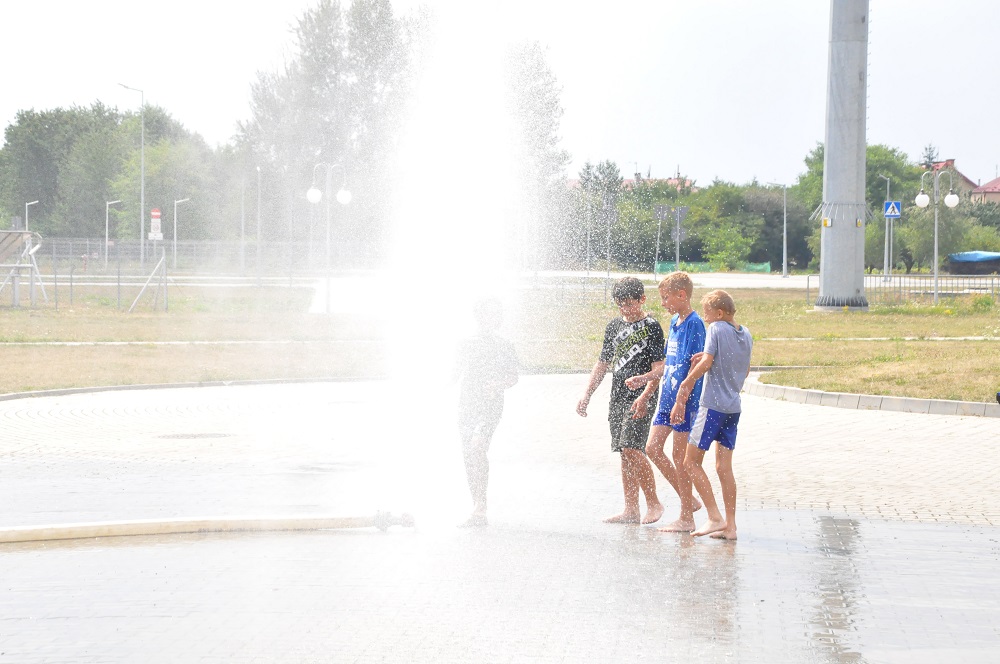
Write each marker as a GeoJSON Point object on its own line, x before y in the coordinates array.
{"type": "Point", "coordinates": [581, 406]}
{"type": "Point", "coordinates": [635, 382]}
{"type": "Point", "coordinates": [677, 413]}
{"type": "Point", "coordinates": [639, 408]}
{"type": "Point", "coordinates": [696, 358]}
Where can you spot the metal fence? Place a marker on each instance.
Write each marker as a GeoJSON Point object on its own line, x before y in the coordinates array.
{"type": "Point", "coordinates": [88, 255]}
{"type": "Point", "coordinates": [919, 288]}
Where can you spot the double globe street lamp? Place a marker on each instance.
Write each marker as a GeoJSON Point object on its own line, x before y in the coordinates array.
{"type": "Point", "coordinates": [314, 195]}
{"type": "Point", "coordinates": [922, 201]}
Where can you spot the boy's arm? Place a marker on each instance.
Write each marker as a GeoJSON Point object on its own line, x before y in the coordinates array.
{"type": "Point", "coordinates": [687, 385]}
{"type": "Point", "coordinates": [596, 376]}
{"type": "Point", "coordinates": [641, 405]}
{"type": "Point", "coordinates": [697, 371]}
{"type": "Point", "coordinates": [649, 378]}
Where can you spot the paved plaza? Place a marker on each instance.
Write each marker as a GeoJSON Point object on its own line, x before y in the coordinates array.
{"type": "Point", "coordinates": [865, 536]}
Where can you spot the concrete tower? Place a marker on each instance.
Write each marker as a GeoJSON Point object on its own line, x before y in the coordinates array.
{"type": "Point", "coordinates": [843, 213]}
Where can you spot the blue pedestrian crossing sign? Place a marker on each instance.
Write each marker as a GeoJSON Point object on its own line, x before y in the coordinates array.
{"type": "Point", "coordinates": [892, 210]}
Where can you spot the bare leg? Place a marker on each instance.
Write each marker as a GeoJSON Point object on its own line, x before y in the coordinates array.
{"type": "Point", "coordinates": [631, 490]}
{"type": "Point", "coordinates": [636, 474]}
{"type": "Point", "coordinates": [689, 504]}
{"type": "Point", "coordinates": [477, 470]}
{"type": "Point", "coordinates": [647, 482]}
{"type": "Point", "coordinates": [727, 481]}
{"type": "Point", "coordinates": [654, 450]}
{"type": "Point", "coordinates": [699, 478]}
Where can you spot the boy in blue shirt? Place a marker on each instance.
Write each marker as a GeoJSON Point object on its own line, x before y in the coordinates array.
{"type": "Point", "coordinates": [726, 361]}
{"type": "Point", "coordinates": [686, 339]}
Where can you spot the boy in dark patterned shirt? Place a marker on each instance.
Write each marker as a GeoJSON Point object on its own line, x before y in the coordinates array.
{"type": "Point", "coordinates": [633, 345]}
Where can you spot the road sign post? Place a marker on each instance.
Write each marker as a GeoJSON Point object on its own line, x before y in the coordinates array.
{"type": "Point", "coordinates": [155, 232]}
{"type": "Point", "coordinates": [891, 211]}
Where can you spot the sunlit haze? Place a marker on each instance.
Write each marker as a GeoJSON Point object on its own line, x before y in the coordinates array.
{"type": "Point", "coordinates": [726, 89]}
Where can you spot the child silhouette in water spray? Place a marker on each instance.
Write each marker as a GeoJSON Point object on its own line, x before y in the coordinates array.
{"type": "Point", "coordinates": [487, 365]}
{"type": "Point", "coordinates": [725, 365]}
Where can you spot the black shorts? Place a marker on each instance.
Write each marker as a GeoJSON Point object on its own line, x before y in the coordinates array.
{"type": "Point", "coordinates": [626, 431]}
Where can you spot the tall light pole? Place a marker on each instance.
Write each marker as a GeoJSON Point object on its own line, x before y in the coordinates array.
{"type": "Point", "coordinates": [107, 209]}
{"type": "Point", "coordinates": [176, 203]}
{"type": "Point", "coordinates": [258, 225]}
{"type": "Point", "coordinates": [314, 195]}
{"type": "Point", "coordinates": [922, 200]}
{"type": "Point", "coordinates": [26, 206]}
{"type": "Point", "coordinates": [142, 172]}
{"type": "Point", "coordinates": [886, 267]}
{"type": "Point", "coordinates": [784, 227]}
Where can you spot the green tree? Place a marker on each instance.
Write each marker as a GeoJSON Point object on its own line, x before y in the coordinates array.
{"type": "Point", "coordinates": [38, 146]}
{"type": "Point", "coordinates": [917, 234]}
{"type": "Point", "coordinates": [980, 238]}
{"type": "Point", "coordinates": [532, 94]}
{"type": "Point", "coordinates": [727, 247]}
{"type": "Point", "coordinates": [596, 206]}
{"type": "Point", "coordinates": [987, 214]}
{"type": "Point", "coordinates": [880, 160]}
{"type": "Point", "coordinates": [338, 100]}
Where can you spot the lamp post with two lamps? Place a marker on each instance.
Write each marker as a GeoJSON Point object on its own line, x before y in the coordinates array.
{"type": "Point", "coordinates": [314, 195]}
{"type": "Point", "coordinates": [142, 172]}
{"type": "Point", "coordinates": [784, 227]}
{"type": "Point", "coordinates": [922, 200]}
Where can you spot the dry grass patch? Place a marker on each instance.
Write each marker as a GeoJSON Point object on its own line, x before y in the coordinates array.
{"type": "Point", "coordinates": [554, 329]}
{"type": "Point", "coordinates": [957, 370]}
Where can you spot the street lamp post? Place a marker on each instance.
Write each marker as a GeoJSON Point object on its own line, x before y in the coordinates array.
{"type": "Point", "coordinates": [107, 208]}
{"type": "Point", "coordinates": [314, 195]}
{"type": "Point", "coordinates": [176, 203]}
{"type": "Point", "coordinates": [784, 227]}
{"type": "Point", "coordinates": [142, 172]}
{"type": "Point", "coordinates": [26, 206]}
{"type": "Point", "coordinates": [922, 200]}
{"type": "Point", "coordinates": [258, 226]}
{"type": "Point", "coordinates": [887, 267]}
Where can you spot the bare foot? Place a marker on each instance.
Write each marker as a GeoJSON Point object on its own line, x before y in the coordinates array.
{"type": "Point", "coordinates": [695, 504]}
{"type": "Point", "coordinates": [727, 534]}
{"type": "Point", "coordinates": [624, 517]}
{"type": "Point", "coordinates": [678, 526]}
{"type": "Point", "coordinates": [710, 527]}
{"type": "Point", "coordinates": [653, 513]}
{"type": "Point", "coordinates": [477, 520]}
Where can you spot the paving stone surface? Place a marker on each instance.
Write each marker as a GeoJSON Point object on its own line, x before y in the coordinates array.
{"type": "Point", "coordinates": [865, 536]}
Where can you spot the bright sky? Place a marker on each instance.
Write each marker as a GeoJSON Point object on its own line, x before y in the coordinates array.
{"type": "Point", "coordinates": [729, 88]}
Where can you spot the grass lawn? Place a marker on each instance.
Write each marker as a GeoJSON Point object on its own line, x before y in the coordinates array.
{"type": "Point", "coordinates": [270, 335]}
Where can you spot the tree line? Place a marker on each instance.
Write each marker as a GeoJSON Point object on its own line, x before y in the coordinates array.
{"type": "Point", "coordinates": [729, 225]}
{"type": "Point", "coordinates": [341, 100]}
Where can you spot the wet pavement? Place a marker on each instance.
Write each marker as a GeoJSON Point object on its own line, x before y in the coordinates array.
{"type": "Point", "coordinates": [865, 536]}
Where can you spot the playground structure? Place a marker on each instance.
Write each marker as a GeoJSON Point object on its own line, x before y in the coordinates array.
{"type": "Point", "coordinates": [17, 252]}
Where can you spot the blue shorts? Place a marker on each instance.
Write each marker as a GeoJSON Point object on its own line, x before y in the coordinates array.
{"type": "Point", "coordinates": [711, 425]}
{"type": "Point", "coordinates": [662, 416]}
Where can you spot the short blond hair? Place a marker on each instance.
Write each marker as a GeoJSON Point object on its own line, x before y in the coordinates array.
{"type": "Point", "coordinates": [678, 281]}
{"type": "Point", "coordinates": [719, 299]}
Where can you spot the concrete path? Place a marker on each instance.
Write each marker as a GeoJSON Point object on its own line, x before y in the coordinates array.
{"type": "Point", "coordinates": [864, 535]}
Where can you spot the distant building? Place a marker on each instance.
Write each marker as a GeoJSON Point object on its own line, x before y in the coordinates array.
{"type": "Point", "coordinates": [987, 193]}
{"type": "Point", "coordinates": [678, 183]}
{"type": "Point", "coordinates": [962, 185]}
